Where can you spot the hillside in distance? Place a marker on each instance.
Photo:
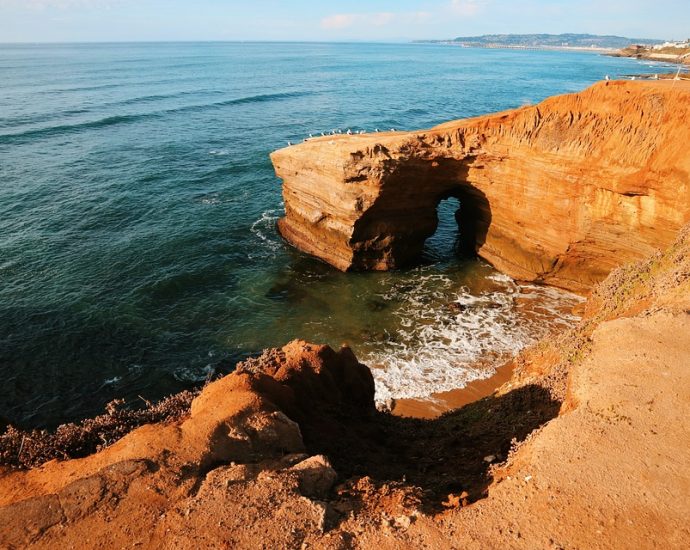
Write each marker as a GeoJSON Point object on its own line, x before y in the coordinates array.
{"type": "Point", "coordinates": [548, 41]}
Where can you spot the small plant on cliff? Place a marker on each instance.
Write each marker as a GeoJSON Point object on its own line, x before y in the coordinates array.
{"type": "Point", "coordinates": [26, 449]}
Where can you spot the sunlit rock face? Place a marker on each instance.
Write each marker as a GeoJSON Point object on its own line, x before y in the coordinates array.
{"type": "Point", "coordinates": [560, 192]}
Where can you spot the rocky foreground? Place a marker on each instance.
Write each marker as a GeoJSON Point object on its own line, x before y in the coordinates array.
{"type": "Point", "coordinates": [584, 448]}
{"type": "Point", "coordinates": [560, 192]}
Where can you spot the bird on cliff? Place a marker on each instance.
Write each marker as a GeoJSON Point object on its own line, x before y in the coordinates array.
{"type": "Point", "coordinates": [392, 129]}
{"type": "Point", "coordinates": [608, 78]}
{"type": "Point", "coordinates": [377, 130]}
{"type": "Point", "coordinates": [349, 132]}
{"type": "Point", "coordinates": [311, 135]}
{"type": "Point", "coordinates": [323, 134]}
{"type": "Point", "coordinates": [289, 144]}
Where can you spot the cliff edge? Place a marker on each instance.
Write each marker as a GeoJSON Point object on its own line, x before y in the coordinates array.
{"type": "Point", "coordinates": [560, 192]}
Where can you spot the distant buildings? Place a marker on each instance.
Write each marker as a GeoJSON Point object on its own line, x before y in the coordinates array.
{"type": "Point", "coordinates": [680, 45]}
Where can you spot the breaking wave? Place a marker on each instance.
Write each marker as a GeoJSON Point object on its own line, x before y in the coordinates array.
{"type": "Point", "coordinates": [448, 338]}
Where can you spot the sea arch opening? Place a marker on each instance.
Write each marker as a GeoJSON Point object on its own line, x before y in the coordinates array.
{"type": "Point", "coordinates": [461, 226]}
{"type": "Point", "coordinates": [444, 243]}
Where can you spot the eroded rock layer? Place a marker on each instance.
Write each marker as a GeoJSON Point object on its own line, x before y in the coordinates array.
{"type": "Point", "coordinates": [560, 192]}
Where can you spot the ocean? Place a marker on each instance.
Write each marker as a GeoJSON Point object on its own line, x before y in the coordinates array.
{"type": "Point", "coordinates": [138, 250]}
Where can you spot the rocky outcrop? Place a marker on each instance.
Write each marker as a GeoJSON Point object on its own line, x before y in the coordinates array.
{"type": "Point", "coordinates": [163, 481]}
{"type": "Point", "coordinates": [560, 192]}
{"type": "Point", "coordinates": [666, 55]}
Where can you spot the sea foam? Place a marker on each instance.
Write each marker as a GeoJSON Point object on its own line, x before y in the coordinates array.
{"type": "Point", "coordinates": [447, 338]}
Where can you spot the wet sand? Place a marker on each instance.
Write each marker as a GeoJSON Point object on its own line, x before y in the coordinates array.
{"type": "Point", "coordinates": [440, 403]}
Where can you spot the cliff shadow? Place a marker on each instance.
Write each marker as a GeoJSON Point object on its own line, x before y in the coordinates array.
{"type": "Point", "coordinates": [442, 459]}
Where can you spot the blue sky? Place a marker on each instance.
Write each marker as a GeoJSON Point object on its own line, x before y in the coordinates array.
{"type": "Point", "coordinates": [123, 20]}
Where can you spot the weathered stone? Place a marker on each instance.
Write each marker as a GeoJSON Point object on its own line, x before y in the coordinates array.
{"type": "Point", "coordinates": [82, 497]}
{"type": "Point", "coordinates": [25, 521]}
{"type": "Point", "coordinates": [316, 476]}
{"type": "Point", "coordinates": [560, 192]}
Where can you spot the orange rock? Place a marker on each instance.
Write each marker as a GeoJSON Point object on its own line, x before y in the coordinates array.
{"type": "Point", "coordinates": [560, 192]}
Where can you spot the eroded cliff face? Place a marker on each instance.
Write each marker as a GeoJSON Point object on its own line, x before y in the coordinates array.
{"type": "Point", "coordinates": [560, 192]}
{"type": "Point", "coordinates": [187, 484]}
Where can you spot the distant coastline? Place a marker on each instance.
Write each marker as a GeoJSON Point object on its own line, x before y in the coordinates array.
{"type": "Point", "coordinates": [676, 54]}
{"type": "Point", "coordinates": [568, 42]}
{"type": "Point", "coordinates": [594, 49]}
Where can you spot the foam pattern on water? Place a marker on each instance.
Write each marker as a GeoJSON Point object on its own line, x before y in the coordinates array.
{"type": "Point", "coordinates": [264, 229]}
{"type": "Point", "coordinates": [449, 338]}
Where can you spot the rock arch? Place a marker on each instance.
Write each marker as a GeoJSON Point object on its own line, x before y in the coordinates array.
{"type": "Point", "coordinates": [560, 192]}
{"type": "Point", "coordinates": [391, 233]}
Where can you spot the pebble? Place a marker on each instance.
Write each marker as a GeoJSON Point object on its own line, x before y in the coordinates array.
{"type": "Point", "coordinates": [403, 522]}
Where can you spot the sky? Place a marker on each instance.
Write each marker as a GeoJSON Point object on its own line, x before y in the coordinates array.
{"type": "Point", "coordinates": [328, 20]}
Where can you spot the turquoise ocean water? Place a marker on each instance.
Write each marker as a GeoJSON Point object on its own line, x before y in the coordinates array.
{"type": "Point", "coordinates": [138, 253]}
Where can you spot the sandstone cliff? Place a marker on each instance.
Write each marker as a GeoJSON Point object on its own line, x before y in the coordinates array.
{"type": "Point", "coordinates": [560, 192]}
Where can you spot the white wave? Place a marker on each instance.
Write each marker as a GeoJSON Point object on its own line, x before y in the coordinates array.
{"type": "Point", "coordinates": [219, 152]}
{"type": "Point", "coordinates": [211, 200]}
{"type": "Point", "coordinates": [9, 264]}
{"type": "Point", "coordinates": [448, 338]}
{"type": "Point", "coordinates": [193, 375]}
{"type": "Point", "coordinates": [264, 229]}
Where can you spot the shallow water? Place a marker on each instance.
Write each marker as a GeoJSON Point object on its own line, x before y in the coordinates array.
{"type": "Point", "coordinates": [138, 252]}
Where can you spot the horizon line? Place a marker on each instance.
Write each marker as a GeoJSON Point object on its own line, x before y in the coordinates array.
{"type": "Point", "coordinates": [294, 41]}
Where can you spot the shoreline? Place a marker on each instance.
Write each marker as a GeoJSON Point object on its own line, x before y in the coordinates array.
{"type": "Point", "coordinates": [289, 449]}
{"type": "Point", "coordinates": [682, 57]}
{"type": "Point", "coordinates": [595, 49]}
{"type": "Point", "coordinates": [438, 404]}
